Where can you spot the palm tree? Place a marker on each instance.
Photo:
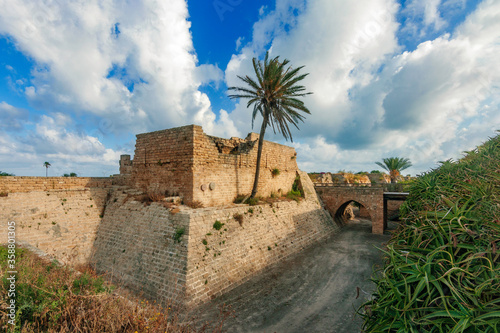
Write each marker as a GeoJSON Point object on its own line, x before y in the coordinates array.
{"type": "Point", "coordinates": [275, 96]}
{"type": "Point", "coordinates": [46, 165]}
{"type": "Point", "coordinates": [394, 165]}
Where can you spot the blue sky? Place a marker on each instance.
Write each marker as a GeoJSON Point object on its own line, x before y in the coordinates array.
{"type": "Point", "coordinates": [79, 79]}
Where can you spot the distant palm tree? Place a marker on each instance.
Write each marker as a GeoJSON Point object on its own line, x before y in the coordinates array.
{"type": "Point", "coordinates": [46, 165]}
{"type": "Point", "coordinates": [394, 165]}
{"type": "Point", "coordinates": [275, 96]}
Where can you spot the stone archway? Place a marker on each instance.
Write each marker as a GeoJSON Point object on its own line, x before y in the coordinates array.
{"type": "Point", "coordinates": [372, 198]}
{"type": "Point", "coordinates": [340, 217]}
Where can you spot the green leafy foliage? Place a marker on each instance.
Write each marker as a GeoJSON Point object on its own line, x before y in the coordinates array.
{"type": "Point", "coordinates": [70, 175]}
{"type": "Point", "coordinates": [179, 232]}
{"type": "Point", "coordinates": [239, 198]}
{"type": "Point", "coordinates": [442, 271]}
{"type": "Point", "coordinates": [218, 225]}
{"type": "Point", "coordinates": [252, 201]}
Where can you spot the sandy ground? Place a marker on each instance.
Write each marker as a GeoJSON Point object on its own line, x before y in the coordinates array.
{"type": "Point", "coordinates": [316, 291]}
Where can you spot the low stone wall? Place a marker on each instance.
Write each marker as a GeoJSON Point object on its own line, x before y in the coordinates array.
{"type": "Point", "coordinates": [60, 216]}
{"type": "Point", "coordinates": [15, 184]}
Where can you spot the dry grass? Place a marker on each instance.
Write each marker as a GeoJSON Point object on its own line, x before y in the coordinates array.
{"type": "Point", "coordinates": [194, 204]}
{"type": "Point", "coordinates": [238, 217]}
{"type": "Point", "coordinates": [57, 299]}
{"type": "Point", "coordinates": [149, 197]}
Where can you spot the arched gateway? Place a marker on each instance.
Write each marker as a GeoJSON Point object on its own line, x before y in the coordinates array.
{"type": "Point", "coordinates": [336, 198]}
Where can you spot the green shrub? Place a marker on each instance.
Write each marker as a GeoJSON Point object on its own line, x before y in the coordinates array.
{"type": "Point", "coordinates": [294, 195]}
{"type": "Point", "coordinates": [218, 225]}
{"type": "Point", "coordinates": [179, 232]}
{"type": "Point", "coordinates": [442, 270]}
{"type": "Point", "coordinates": [239, 198]}
{"type": "Point", "coordinates": [275, 172]}
{"type": "Point", "coordinates": [252, 201]}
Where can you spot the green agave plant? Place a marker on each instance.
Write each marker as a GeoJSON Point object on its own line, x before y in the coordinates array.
{"type": "Point", "coordinates": [442, 271]}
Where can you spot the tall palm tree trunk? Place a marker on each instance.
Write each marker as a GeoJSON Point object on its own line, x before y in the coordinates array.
{"type": "Point", "coordinates": [46, 172]}
{"type": "Point", "coordinates": [259, 156]}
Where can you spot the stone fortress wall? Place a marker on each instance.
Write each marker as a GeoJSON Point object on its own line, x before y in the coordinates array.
{"type": "Point", "coordinates": [186, 162]}
{"type": "Point", "coordinates": [58, 215]}
{"type": "Point", "coordinates": [171, 253]}
{"type": "Point", "coordinates": [137, 244]}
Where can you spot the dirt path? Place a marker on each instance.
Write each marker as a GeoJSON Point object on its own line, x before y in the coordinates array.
{"type": "Point", "coordinates": [313, 292]}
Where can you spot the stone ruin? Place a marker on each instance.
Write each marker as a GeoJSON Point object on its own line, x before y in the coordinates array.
{"type": "Point", "coordinates": [186, 162]}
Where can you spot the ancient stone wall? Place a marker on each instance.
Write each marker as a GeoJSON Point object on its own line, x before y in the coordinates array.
{"type": "Point", "coordinates": [165, 254]}
{"type": "Point", "coordinates": [185, 161]}
{"type": "Point", "coordinates": [163, 162]}
{"type": "Point", "coordinates": [58, 215]}
{"type": "Point", "coordinates": [225, 168]}
{"type": "Point", "coordinates": [125, 165]}
{"type": "Point", "coordinates": [15, 184]}
{"type": "Point", "coordinates": [336, 199]}
{"type": "Point", "coordinates": [219, 260]}
{"type": "Point", "coordinates": [136, 244]}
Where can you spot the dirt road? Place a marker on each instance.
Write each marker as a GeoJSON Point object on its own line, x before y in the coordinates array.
{"type": "Point", "coordinates": [315, 291]}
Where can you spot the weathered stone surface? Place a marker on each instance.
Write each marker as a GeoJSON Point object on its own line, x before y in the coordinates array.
{"type": "Point", "coordinates": [58, 215]}
{"type": "Point", "coordinates": [337, 198]}
{"type": "Point", "coordinates": [184, 161]}
{"type": "Point", "coordinates": [155, 250]}
{"type": "Point", "coordinates": [136, 243]}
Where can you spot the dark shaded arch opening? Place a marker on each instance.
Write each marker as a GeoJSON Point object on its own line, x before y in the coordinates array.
{"type": "Point", "coordinates": [349, 210]}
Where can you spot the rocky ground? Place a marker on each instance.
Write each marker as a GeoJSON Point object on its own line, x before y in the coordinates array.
{"type": "Point", "coordinates": [316, 291]}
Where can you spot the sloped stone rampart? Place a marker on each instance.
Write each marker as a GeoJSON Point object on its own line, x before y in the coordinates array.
{"type": "Point", "coordinates": [136, 244]}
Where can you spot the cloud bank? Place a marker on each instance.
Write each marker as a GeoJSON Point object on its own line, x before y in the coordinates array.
{"type": "Point", "coordinates": [371, 98]}
{"type": "Point", "coordinates": [131, 67]}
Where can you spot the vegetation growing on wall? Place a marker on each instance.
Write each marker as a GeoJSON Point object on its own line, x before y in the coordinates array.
{"type": "Point", "coordinates": [442, 271]}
